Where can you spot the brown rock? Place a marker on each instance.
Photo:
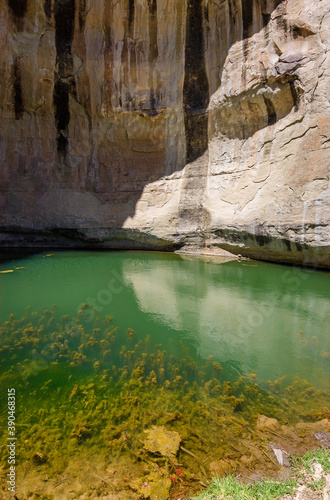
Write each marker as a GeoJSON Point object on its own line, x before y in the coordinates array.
{"type": "Point", "coordinates": [302, 428]}
{"type": "Point", "coordinates": [221, 468]}
{"type": "Point", "coordinates": [264, 423]}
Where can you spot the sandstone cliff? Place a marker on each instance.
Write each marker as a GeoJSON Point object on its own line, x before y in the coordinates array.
{"type": "Point", "coordinates": [167, 123]}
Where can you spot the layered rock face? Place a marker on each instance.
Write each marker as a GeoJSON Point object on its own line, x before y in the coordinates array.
{"type": "Point", "coordinates": [167, 123]}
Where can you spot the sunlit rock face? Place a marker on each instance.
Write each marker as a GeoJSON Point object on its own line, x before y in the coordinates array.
{"type": "Point", "coordinates": [167, 123]}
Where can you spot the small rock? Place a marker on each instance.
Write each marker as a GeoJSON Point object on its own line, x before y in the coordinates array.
{"type": "Point", "coordinates": [281, 455]}
{"type": "Point", "coordinates": [38, 458]}
{"type": "Point", "coordinates": [265, 423]}
{"type": "Point", "coordinates": [246, 461]}
{"type": "Point", "coordinates": [221, 467]}
{"type": "Point", "coordinates": [303, 428]}
{"type": "Point", "coordinates": [324, 437]}
{"type": "Point", "coordinates": [318, 471]}
{"type": "Point", "coordinates": [160, 440]}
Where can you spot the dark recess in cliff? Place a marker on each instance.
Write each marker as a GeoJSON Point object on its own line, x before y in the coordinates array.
{"type": "Point", "coordinates": [265, 19]}
{"type": "Point", "coordinates": [64, 29]}
{"type": "Point", "coordinates": [17, 91]}
{"type": "Point", "coordinates": [195, 88]}
{"type": "Point", "coordinates": [18, 9]}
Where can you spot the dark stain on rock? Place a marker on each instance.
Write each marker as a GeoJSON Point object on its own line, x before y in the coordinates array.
{"type": "Point", "coordinates": [232, 12]}
{"type": "Point", "coordinates": [295, 32]}
{"type": "Point", "coordinates": [282, 23]}
{"type": "Point", "coordinates": [270, 111]}
{"type": "Point", "coordinates": [108, 57]}
{"type": "Point", "coordinates": [206, 13]}
{"type": "Point", "coordinates": [131, 12]}
{"type": "Point", "coordinates": [266, 30]}
{"type": "Point", "coordinates": [17, 91]}
{"type": "Point", "coordinates": [62, 114]}
{"type": "Point", "coordinates": [195, 88]}
{"type": "Point", "coordinates": [64, 30]}
{"type": "Point", "coordinates": [153, 54]}
{"type": "Point", "coordinates": [262, 239]}
{"type": "Point", "coordinates": [48, 8]}
{"type": "Point", "coordinates": [82, 15]}
{"type": "Point", "coordinates": [196, 136]}
{"type": "Point", "coordinates": [247, 15]}
{"type": "Point", "coordinates": [152, 4]}
{"type": "Point", "coordinates": [287, 244]}
{"type": "Point", "coordinates": [18, 9]}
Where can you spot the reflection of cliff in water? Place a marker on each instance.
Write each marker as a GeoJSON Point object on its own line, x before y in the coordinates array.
{"type": "Point", "coordinates": [252, 317]}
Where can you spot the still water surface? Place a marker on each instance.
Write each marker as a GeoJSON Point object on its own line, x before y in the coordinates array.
{"type": "Point", "coordinates": [270, 319]}
{"type": "Point", "coordinates": [116, 356]}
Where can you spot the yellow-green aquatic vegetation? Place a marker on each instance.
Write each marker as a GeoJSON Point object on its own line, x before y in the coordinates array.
{"type": "Point", "coordinates": [88, 387]}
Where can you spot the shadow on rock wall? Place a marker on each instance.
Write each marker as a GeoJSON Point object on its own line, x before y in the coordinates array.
{"type": "Point", "coordinates": [110, 141]}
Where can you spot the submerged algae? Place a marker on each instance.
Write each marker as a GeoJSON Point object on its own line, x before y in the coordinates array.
{"type": "Point", "coordinates": [155, 485]}
{"type": "Point", "coordinates": [88, 389]}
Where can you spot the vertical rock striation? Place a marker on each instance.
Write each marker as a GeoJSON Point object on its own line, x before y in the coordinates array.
{"type": "Point", "coordinates": [64, 82]}
{"type": "Point", "coordinates": [162, 123]}
{"type": "Point", "coordinates": [17, 90]}
{"type": "Point", "coordinates": [195, 87]}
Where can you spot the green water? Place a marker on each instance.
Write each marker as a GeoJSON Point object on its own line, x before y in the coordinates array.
{"type": "Point", "coordinates": [270, 319]}
{"type": "Point", "coordinates": [106, 348]}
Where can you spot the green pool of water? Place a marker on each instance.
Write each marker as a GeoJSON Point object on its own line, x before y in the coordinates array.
{"type": "Point", "coordinates": [270, 319]}
{"type": "Point", "coordinates": [100, 346]}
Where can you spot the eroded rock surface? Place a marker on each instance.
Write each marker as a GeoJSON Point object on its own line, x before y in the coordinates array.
{"type": "Point", "coordinates": [163, 123]}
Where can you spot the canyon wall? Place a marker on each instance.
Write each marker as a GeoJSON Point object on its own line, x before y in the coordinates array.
{"type": "Point", "coordinates": [167, 124]}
